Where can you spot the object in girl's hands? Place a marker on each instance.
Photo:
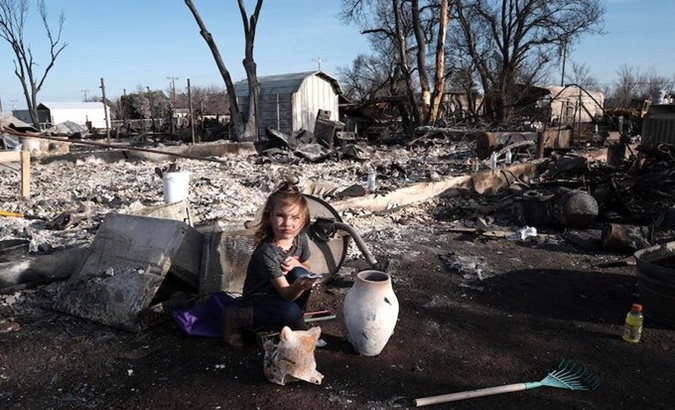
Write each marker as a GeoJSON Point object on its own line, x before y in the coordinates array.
{"type": "Point", "coordinates": [312, 275]}
{"type": "Point", "coordinates": [292, 359]}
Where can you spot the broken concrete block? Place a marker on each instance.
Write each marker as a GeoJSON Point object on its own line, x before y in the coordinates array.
{"type": "Point", "coordinates": [134, 269]}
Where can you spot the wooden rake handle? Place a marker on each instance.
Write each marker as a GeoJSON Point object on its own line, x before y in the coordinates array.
{"type": "Point", "coordinates": [444, 398]}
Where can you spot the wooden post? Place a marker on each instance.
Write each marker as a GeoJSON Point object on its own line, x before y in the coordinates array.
{"type": "Point", "coordinates": [23, 157]}
{"type": "Point", "coordinates": [25, 174]}
{"type": "Point", "coordinates": [541, 142]}
{"type": "Point", "coordinates": [105, 111]}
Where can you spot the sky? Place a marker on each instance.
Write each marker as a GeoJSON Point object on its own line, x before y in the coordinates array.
{"type": "Point", "coordinates": [152, 43]}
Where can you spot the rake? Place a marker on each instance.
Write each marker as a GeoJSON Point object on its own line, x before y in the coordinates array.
{"type": "Point", "coordinates": [568, 375]}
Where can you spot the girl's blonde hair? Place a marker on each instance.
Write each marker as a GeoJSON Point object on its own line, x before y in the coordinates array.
{"type": "Point", "coordinates": [287, 194]}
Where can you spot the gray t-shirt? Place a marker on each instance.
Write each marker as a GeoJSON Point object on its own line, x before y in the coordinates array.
{"type": "Point", "coordinates": [265, 264]}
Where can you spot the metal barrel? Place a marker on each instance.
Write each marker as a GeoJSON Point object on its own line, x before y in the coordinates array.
{"type": "Point", "coordinates": [656, 282]}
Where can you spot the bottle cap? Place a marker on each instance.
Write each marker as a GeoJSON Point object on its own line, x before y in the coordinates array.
{"type": "Point", "coordinates": [637, 307]}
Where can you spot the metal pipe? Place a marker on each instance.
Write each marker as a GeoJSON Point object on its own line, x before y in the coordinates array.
{"type": "Point", "coordinates": [359, 241]}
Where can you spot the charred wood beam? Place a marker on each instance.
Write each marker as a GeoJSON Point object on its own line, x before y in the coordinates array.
{"type": "Point", "coordinates": [104, 145]}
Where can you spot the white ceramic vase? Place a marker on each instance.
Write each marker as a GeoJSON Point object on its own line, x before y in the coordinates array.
{"type": "Point", "coordinates": [370, 312]}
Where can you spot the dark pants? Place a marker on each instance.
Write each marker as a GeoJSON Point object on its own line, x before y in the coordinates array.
{"type": "Point", "coordinates": [273, 312]}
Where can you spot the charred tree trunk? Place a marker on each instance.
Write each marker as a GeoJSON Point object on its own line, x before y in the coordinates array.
{"type": "Point", "coordinates": [253, 123]}
{"type": "Point", "coordinates": [246, 129]}
{"type": "Point", "coordinates": [235, 114]}
{"type": "Point", "coordinates": [421, 60]}
{"type": "Point", "coordinates": [439, 80]}
{"type": "Point", "coordinates": [403, 62]}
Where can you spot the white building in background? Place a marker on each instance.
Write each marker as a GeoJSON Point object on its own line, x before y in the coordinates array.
{"type": "Point", "coordinates": [87, 114]}
{"type": "Point", "coordinates": [572, 104]}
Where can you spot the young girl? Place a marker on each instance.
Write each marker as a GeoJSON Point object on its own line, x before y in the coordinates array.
{"type": "Point", "coordinates": [276, 288]}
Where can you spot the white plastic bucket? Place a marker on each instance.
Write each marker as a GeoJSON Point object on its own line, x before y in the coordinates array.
{"type": "Point", "coordinates": [176, 186]}
{"type": "Point", "coordinates": [31, 144]}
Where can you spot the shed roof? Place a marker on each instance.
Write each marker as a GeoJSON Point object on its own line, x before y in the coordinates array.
{"type": "Point", "coordinates": [71, 105]}
{"type": "Point", "coordinates": [284, 83]}
{"type": "Point", "coordinates": [573, 91]}
{"type": "Point", "coordinates": [661, 109]}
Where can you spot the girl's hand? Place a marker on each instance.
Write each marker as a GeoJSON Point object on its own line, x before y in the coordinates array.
{"type": "Point", "coordinates": [305, 283]}
{"type": "Point", "coordinates": [289, 264]}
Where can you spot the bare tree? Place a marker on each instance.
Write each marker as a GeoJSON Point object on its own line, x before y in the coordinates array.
{"type": "Point", "coordinates": [402, 48]}
{"type": "Point", "coordinates": [211, 99]}
{"type": "Point", "coordinates": [655, 84]}
{"type": "Point", "coordinates": [633, 86]}
{"type": "Point", "coordinates": [13, 15]}
{"type": "Point", "coordinates": [512, 42]}
{"type": "Point", "coordinates": [581, 76]}
{"type": "Point", "coordinates": [245, 129]}
{"type": "Point", "coordinates": [462, 81]}
{"type": "Point", "coordinates": [368, 77]}
{"type": "Point", "coordinates": [627, 86]}
{"type": "Point", "coordinates": [439, 72]}
{"type": "Point", "coordinates": [408, 27]}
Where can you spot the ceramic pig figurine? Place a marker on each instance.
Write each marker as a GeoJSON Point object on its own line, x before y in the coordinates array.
{"type": "Point", "coordinates": [292, 358]}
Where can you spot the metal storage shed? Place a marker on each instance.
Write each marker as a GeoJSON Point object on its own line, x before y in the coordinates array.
{"type": "Point", "coordinates": [290, 102]}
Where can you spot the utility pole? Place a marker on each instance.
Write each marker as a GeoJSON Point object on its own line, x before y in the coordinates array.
{"type": "Point", "coordinates": [85, 95]}
{"type": "Point", "coordinates": [173, 102]}
{"type": "Point", "coordinates": [192, 117]}
{"type": "Point", "coordinates": [152, 117]}
{"type": "Point", "coordinates": [105, 111]}
{"type": "Point", "coordinates": [564, 55]}
{"type": "Point", "coordinates": [124, 107]}
{"type": "Point", "coordinates": [173, 89]}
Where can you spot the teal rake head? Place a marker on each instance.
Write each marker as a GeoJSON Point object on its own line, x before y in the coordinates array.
{"type": "Point", "coordinates": [569, 375]}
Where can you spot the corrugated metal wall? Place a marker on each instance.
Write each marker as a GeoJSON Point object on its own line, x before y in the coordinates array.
{"type": "Point", "coordinates": [275, 112]}
{"type": "Point", "coordinates": [291, 105]}
{"type": "Point", "coordinates": [658, 126]}
{"type": "Point", "coordinates": [314, 94]}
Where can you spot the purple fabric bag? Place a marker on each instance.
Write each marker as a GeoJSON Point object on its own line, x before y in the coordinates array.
{"type": "Point", "coordinates": [204, 318]}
